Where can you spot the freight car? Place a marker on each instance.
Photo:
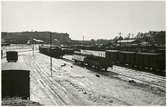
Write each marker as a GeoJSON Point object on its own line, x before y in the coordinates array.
{"type": "Point", "coordinates": [52, 51]}
{"type": "Point", "coordinates": [68, 51]}
{"type": "Point", "coordinates": [154, 62]}
{"type": "Point", "coordinates": [91, 58]}
{"type": "Point", "coordinates": [55, 51]}
{"type": "Point", "coordinates": [12, 56]}
{"type": "Point", "coordinates": [15, 78]}
{"type": "Point", "coordinates": [16, 85]}
{"type": "Point", "coordinates": [15, 81]}
{"type": "Point", "coordinates": [78, 57]}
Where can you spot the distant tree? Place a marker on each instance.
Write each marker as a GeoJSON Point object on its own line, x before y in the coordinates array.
{"type": "Point", "coordinates": [93, 42]}
{"type": "Point", "coordinates": [120, 38]}
{"type": "Point", "coordinates": [139, 35]}
{"type": "Point", "coordinates": [127, 37]}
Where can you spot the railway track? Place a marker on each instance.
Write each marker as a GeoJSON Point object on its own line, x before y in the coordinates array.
{"type": "Point", "coordinates": [47, 84]}
{"type": "Point", "coordinates": [142, 73]}
{"type": "Point", "coordinates": [56, 68]}
{"type": "Point", "coordinates": [148, 75]}
{"type": "Point", "coordinates": [143, 81]}
{"type": "Point", "coordinates": [145, 74]}
{"type": "Point", "coordinates": [57, 93]}
{"type": "Point", "coordinates": [36, 78]}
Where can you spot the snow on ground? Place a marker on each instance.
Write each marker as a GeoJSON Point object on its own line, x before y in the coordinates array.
{"type": "Point", "coordinates": [83, 83]}
{"type": "Point", "coordinates": [69, 57]}
{"type": "Point", "coordinates": [74, 85]}
{"type": "Point", "coordinates": [138, 76]}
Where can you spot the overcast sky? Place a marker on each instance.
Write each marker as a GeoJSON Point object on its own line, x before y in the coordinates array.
{"type": "Point", "coordinates": [93, 20]}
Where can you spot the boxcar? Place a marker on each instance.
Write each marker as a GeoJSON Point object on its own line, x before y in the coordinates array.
{"type": "Point", "coordinates": [122, 58]}
{"type": "Point", "coordinates": [53, 51]}
{"type": "Point", "coordinates": [15, 81]}
{"type": "Point", "coordinates": [12, 56]}
{"type": "Point", "coordinates": [44, 50]}
{"type": "Point", "coordinates": [68, 51]}
{"type": "Point", "coordinates": [112, 57]}
{"type": "Point", "coordinates": [128, 58]}
{"type": "Point", "coordinates": [153, 61]}
{"type": "Point", "coordinates": [162, 63]}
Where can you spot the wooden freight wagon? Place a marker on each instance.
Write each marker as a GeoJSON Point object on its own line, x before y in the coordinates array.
{"type": "Point", "coordinates": [151, 61]}
{"type": "Point", "coordinates": [162, 60]}
{"type": "Point", "coordinates": [78, 59]}
{"type": "Point", "coordinates": [96, 59]}
{"type": "Point", "coordinates": [97, 62]}
{"type": "Point", "coordinates": [53, 51]}
{"type": "Point", "coordinates": [15, 81]}
{"type": "Point", "coordinates": [112, 56]}
{"type": "Point", "coordinates": [68, 51]}
{"type": "Point", "coordinates": [143, 60]}
{"type": "Point", "coordinates": [12, 56]}
{"type": "Point", "coordinates": [122, 58]}
{"type": "Point", "coordinates": [128, 58]}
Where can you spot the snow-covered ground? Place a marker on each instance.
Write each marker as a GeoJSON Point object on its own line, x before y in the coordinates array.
{"type": "Point", "coordinates": [136, 75]}
{"type": "Point", "coordinates": [74, 85]}
{"type": "Point", "coordinates": [20, 48]}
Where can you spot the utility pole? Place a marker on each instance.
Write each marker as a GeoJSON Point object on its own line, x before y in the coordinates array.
{"type": "Point", "coordinates": [33, 46]}
{"type": "Point", "coordinates": [50, 53]}
{"type": "Point", "coordinates": [83, 40]}
{"type": "Point", "coordinates": [6, 42]}
{"type": "Point", "coordinates": [120, 33]}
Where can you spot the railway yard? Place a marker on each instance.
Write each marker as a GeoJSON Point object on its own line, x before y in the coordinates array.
{"type": "Point", "coordinates": [72, 84]}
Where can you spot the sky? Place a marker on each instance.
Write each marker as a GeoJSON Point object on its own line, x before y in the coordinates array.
{"type": "Point", "coordinates": [91, 19]}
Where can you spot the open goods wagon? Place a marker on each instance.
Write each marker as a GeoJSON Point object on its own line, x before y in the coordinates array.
{"type": "Point", "coordinates": [151, 62]}
{"type": "Point", "coordinates": [15, 81]}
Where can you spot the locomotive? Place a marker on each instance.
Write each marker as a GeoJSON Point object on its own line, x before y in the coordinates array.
{"type": "Point", "coordinates": [152, 62]}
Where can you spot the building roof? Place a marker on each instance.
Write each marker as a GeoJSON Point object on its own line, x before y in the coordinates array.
{"type": "Point", "coordinates": [36, 40]}
{"type": "Point", "coordinates": [125, 41]}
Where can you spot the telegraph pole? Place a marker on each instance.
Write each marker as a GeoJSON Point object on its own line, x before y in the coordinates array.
{"type": "Point", "coordinates": [120, 33]}
{"type": "Point", "coordinates": [33, 46]}
{"type": "Point", "coordinates": [83, 40]}
{"type": "Point", "coordinates": [50, 53]}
